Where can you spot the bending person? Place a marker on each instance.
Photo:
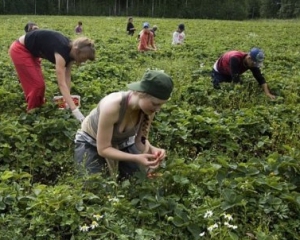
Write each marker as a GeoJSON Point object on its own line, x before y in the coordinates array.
{"type": "Point", "coordinates": [58, 49]}
{"type": "Point", "coordinates": [231, 65]}
{"type": "Point", "coordinates": [146, 38]}
{"type": "Point", "coordinates": [179, 35]}
{"type": "Point", "coordinates": [114, 135]}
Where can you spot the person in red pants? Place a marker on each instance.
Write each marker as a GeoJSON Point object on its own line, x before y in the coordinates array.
{"type": "Point", "coordinates": [26, 51]}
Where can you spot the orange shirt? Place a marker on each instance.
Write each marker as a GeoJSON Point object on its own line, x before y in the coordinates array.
{"type": "Point", "coordinates": [146, 41]}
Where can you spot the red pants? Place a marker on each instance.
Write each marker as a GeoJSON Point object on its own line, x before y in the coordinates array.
{"type": "Point", "coordinates": [30, 74]}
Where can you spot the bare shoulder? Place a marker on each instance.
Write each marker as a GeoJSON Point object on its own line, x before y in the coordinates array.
{"type": "Point", "coordinates": [110, 104]}
{"type": "Point", "coordinates": [22, 39]}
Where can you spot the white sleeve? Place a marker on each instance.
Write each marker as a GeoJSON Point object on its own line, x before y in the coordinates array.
{"type": "Point", "coordinates": [175, 38]}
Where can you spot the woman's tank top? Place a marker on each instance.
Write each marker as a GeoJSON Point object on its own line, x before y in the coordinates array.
{"type": "Point", "coordinates": [90, 123]}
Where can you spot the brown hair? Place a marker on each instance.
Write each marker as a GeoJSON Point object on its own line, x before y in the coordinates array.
{"type": "Point", "coordinates": [30, 26]}
{"type": "Point", "coordinates": [85, 47]}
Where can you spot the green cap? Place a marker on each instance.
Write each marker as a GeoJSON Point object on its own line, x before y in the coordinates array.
{"type": "Point", "coordinates": [155, 83]}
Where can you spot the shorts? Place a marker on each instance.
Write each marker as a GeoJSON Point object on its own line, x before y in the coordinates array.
{"type": "Point", "coordinates": [89, 161]}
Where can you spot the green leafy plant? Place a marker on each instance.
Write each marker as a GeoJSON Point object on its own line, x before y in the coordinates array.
{"type": "Point", "coordinates": [232, 170]}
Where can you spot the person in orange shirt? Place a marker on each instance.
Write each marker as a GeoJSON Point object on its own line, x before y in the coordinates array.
{"type": "Point", "coordinates": [146, 42]}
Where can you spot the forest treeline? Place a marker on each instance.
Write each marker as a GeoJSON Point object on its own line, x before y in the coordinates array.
{"type": "Point", "coordinates": [202, 9]}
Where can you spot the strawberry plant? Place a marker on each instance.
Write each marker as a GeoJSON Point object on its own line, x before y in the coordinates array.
{"type": "Point", "coordinates": [232, 169]}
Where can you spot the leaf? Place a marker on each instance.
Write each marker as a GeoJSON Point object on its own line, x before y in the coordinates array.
{"type": "Point", "coordinates": [233, 236]}
{"type": "Point", "coordinates": [91, 196]}
{"type": "Point", "coordinates": [79, 206]}
{"type": "Point", "coordinates": [231, 199]}
{"type": "Point", "coordinates": [9, 200]}
{"type": "Point", "coordinates": [180, 179]}
{"type": "Point", "coordinates": [298, 200]}
{"type": "Point", "coordinates": [221, 175]}
{"type": "Point", "coordinates": [195, 230]}
{"type": "Point", "coordinates": [24, 175]}
{"type": "Point", "coordinates": [126, 184]}
{"type": "Point", "coordinates": [38, 189]}
{"type": "Point", "coordinates": [260, 144]}
{"type": "Point", "coordinates": [7, 175]}
{"type": "Point", "coordinates": [178, 222]}
{"type": "Point", "coordinates": [135, 201]}
{"type": "Point", "coordinates": [153, 205]}
{"type": "Point", "coordinates": [2, 206]}
{"type": "Point", "coordinates": [218, 166]}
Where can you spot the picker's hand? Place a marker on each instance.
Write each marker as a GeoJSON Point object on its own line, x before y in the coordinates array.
{"type": "Point", "coordinates": [147, 160]}
{"type": "Point", "coordinates": [159, 153]}
{"type": "Point", "coordinates": [77, 114]}
{"type": "Point", "coordinates": [271, 96]}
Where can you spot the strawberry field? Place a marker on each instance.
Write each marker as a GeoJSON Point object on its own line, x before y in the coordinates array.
{"type": "Point", "coordinates": [232, 170]}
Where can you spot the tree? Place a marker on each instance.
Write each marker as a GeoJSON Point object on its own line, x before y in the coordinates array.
{"type": "Point", "coordinates": [216, 9]}
{"type": "Point", "coordinates": [287, 8]}
{"type": "Point", "coordinates": [269, 8]}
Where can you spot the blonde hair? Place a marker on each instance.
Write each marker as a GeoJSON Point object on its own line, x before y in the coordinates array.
{"type": "Point", "coordinates": [85, 46]}
{"type": "Point", "coordinates": [145, 128]}
{"type": "Point", "coordinates": [146, 122]}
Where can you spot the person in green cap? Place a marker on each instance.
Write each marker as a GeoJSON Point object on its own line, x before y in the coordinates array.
{"type": "Point", "coordinates": [114, 136]}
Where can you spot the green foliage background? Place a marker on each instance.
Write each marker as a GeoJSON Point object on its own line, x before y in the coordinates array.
{"type": "Point", "coordinates": [189, 9]}
{"type": "Point", "coordinates": [231, 151]}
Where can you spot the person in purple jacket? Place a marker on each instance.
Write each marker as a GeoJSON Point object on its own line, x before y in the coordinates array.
{"type": "Point", "coordinates": [231, 65]}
